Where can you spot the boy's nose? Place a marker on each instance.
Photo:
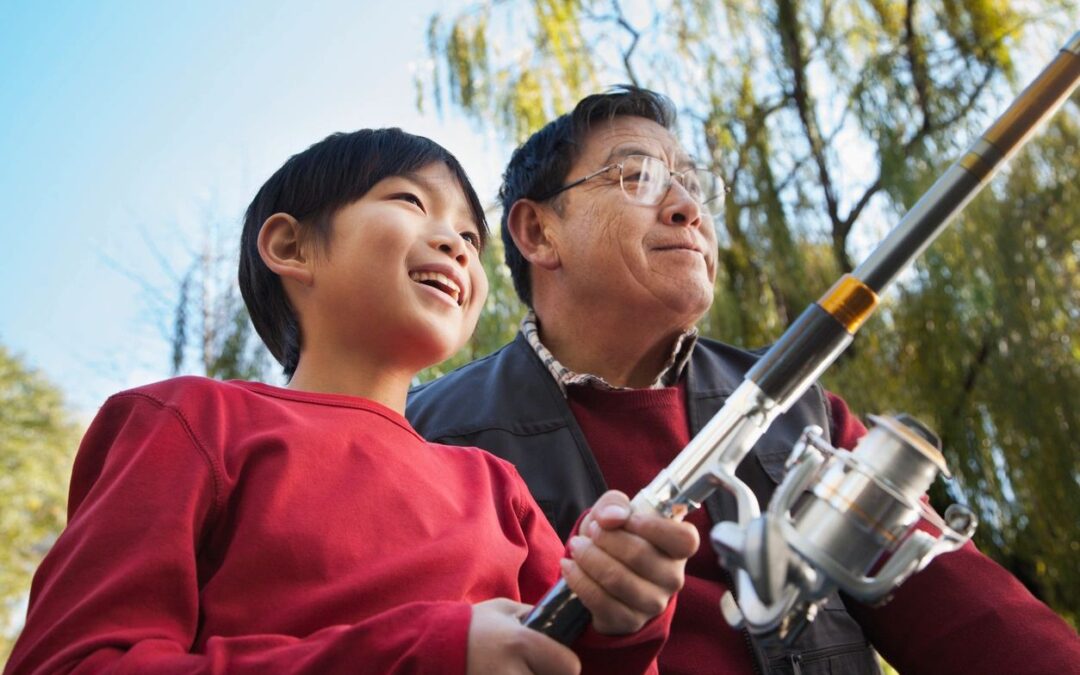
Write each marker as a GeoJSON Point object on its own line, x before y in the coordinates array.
{"type": "Point", "coordinates": [452, 245]}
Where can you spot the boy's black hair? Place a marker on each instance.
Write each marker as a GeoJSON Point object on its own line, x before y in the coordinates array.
{"type": "Point", "coordinates": [540, 165]}
{"type": "Point", "coordinates": [311, 187]}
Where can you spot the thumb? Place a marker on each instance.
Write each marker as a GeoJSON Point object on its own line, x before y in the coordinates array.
{"type": "Point", "coordinates": [506, 607]}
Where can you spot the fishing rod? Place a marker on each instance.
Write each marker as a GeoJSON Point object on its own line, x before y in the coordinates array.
{"type": "Point", "coordinates": [865, 507]}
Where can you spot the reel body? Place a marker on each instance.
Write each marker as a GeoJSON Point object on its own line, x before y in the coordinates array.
{"type": "Point", "coordinates": [853, 521]}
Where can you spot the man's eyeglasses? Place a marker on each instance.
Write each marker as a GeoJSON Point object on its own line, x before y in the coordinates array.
{"type": "Point", "coordinates": [646, 180]}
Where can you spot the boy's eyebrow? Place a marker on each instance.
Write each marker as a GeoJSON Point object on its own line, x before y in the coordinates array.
{"type": "Point", "coordinates": [435, 188]}
{"type": "Point", "coordinates": [422, 181]}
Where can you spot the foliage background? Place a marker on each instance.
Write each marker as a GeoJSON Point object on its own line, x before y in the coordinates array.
{"type": "Point", "coordinates": [37, 443]}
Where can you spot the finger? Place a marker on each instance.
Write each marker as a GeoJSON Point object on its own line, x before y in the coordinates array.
{"type": "Point", "coordinates": [647, 593]}
{"type": "Point", "coordinates": [610, 511]}
{"type": "Point", "coordinates": [609, 615]}
{"type": "Point", "coordinates": [641, 558]}
{"type": "Point", "coordinates": [545, 656]}
{"type": "Point", "coordinates": [586, 522]}
{"type": "Point", "coordinates": [674, 538]}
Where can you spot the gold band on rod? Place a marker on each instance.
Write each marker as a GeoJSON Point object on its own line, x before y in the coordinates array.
{"type": "Point", "coordinates": [849, 301]}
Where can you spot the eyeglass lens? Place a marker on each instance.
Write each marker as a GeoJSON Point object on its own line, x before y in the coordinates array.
{"type": "Point", "coordinates": [646, 180]}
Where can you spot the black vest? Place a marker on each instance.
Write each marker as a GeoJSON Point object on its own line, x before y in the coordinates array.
{"type": "Point", "coordinates": [508, 404]}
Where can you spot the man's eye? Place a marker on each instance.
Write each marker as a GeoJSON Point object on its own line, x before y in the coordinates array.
{"type": "Point", "coordinates": [635, 176]}
{"type": "Point", "coordinates": [693, 187]}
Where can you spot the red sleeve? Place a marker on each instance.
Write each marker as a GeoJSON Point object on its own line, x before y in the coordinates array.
{"type": "Point", "coordinates": [633, 653]}
{"type": "Point", "coordinates": [964, 613]}
{"type": "Point", "coordinates": [846, 427]}
{"type": "Point", "coordinates": [119, 591]}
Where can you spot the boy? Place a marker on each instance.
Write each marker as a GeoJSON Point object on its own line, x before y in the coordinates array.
{"type": "Point", "coordinates": [236, 526]}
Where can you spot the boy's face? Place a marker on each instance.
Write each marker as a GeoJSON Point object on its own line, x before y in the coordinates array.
{"type": "Point", "coordinates": [401, 279]}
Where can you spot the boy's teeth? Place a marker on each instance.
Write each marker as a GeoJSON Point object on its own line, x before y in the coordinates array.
{"type": "Point", "coordinates": [445, 283]}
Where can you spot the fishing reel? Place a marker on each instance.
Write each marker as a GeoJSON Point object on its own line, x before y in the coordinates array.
{"type": "Point", "coordinates": [853, 521]}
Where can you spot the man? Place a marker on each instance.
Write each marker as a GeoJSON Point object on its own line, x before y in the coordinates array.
{"type": "Point", "coordinates": [610, 242]}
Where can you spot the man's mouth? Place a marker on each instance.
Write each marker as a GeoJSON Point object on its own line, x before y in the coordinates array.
{"type": "Point", "coordinates": [441, 282]}
{"type": "Point", "coordinates": [679, 247]}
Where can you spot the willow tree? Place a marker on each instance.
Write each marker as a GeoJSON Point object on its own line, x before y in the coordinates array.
{"type": "Point", "coordinates": [829, 118]}
{"type": "Point", "coordinates": [38, 438]}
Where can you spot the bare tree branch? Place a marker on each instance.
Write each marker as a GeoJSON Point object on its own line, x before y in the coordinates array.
{"type": "Point", "coordinates": [789, 28]}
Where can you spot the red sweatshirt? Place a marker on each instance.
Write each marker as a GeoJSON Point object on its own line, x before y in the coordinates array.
{"type": "Point", "coordinates": [238, 527]}
{"type": "Point", "coordinates": [962, 614]}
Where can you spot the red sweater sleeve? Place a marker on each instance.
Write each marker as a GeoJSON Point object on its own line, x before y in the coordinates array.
{"type": "Point", "coordinates": [962, 614]}
{"type": "Point", "coordinates": [120, 589]}
{"type": "Point", "coordinates": [633, 653]}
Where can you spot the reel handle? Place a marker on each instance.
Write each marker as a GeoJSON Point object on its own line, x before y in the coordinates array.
{"type": "Point", "coordinates": [560, 614]}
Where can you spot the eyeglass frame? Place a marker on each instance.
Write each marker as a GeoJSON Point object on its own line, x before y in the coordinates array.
{"type": "Point", "coordinates": [721, 193]}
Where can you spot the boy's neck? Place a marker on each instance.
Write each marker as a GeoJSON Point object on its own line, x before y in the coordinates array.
{"type": "Point", "coordinates": [373, 381]}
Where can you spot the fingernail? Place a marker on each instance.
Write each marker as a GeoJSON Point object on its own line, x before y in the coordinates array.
{"type": "Point", "coordinates": [577, 543]}
{"type": "Point", "coordinates": [614, 511]}
{"type": "Point", "coordinates": [593, 528]}
{"type": "Point", "coordinates": [565, 565]}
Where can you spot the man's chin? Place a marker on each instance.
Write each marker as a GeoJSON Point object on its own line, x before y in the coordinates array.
{"type": "Point", "coordinates": [688, 306]}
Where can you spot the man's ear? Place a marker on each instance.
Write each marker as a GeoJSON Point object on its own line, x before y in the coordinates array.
{"type": "Point", "coordinates": [529, 225]}
{"type": "Point", "coordinates": [281, 246]}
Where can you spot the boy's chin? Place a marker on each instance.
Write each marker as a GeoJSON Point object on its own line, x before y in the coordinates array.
{"type": "Point", "coordinates": [436, 350]}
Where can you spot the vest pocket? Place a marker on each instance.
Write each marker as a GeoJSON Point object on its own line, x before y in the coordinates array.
{"type": "Point", "coordinates": [854, 658]}
{"type": "Point", "coordinates": [772, 455]}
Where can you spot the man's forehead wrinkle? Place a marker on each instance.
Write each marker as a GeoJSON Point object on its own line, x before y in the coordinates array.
{"type": "Point", "coordinates": [677, 157]}
{"type": "Point", "coordinates": [621, 151]}
{"type": "Point", "coordinates": [658, 143]}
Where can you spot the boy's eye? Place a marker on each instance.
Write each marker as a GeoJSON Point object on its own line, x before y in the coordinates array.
{"type": "Point", "coordinates": [473, 238]}
{"type": "Point", "coordinates": [409, 197]}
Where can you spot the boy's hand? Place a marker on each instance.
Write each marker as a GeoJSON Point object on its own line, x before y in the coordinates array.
{"type": "Point", "coordinates": [625, 567]}
{"type": "Point", "coordinates": [498, 643]}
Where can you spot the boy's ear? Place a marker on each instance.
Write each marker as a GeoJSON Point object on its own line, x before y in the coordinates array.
{"type": "Point", "coordinates": [281, 248]}
{"type": "Point", "coordinates": [530, 226]}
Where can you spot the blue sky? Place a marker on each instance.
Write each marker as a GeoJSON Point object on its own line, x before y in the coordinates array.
{"type": "Point", "coordinates": [125, 126]}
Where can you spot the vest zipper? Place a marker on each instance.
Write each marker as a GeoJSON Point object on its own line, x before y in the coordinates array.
{"type": "Point", "coordinates": [795, 660]}
{"type": "Point", "coordinates": [747, 639]}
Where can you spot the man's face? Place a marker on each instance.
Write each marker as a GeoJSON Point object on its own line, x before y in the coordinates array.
{"type": "Point", "coordinates": [656, 262]}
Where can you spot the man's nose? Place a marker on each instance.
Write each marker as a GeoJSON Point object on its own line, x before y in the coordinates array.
{"type": "Point", "coordinates": [679, 207]}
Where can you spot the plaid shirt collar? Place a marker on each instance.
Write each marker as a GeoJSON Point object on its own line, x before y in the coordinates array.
{"type": "Point", "coordinates": [669, 374]}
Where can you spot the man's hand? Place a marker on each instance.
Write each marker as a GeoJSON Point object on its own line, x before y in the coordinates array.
{"type": "Point", "coordinates": [626, 566]}
{"type": "Point", "coordinates": [498, 643]}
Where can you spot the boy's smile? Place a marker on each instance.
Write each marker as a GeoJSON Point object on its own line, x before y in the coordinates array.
{"type": "Point", "coordinates": [443, 279]}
